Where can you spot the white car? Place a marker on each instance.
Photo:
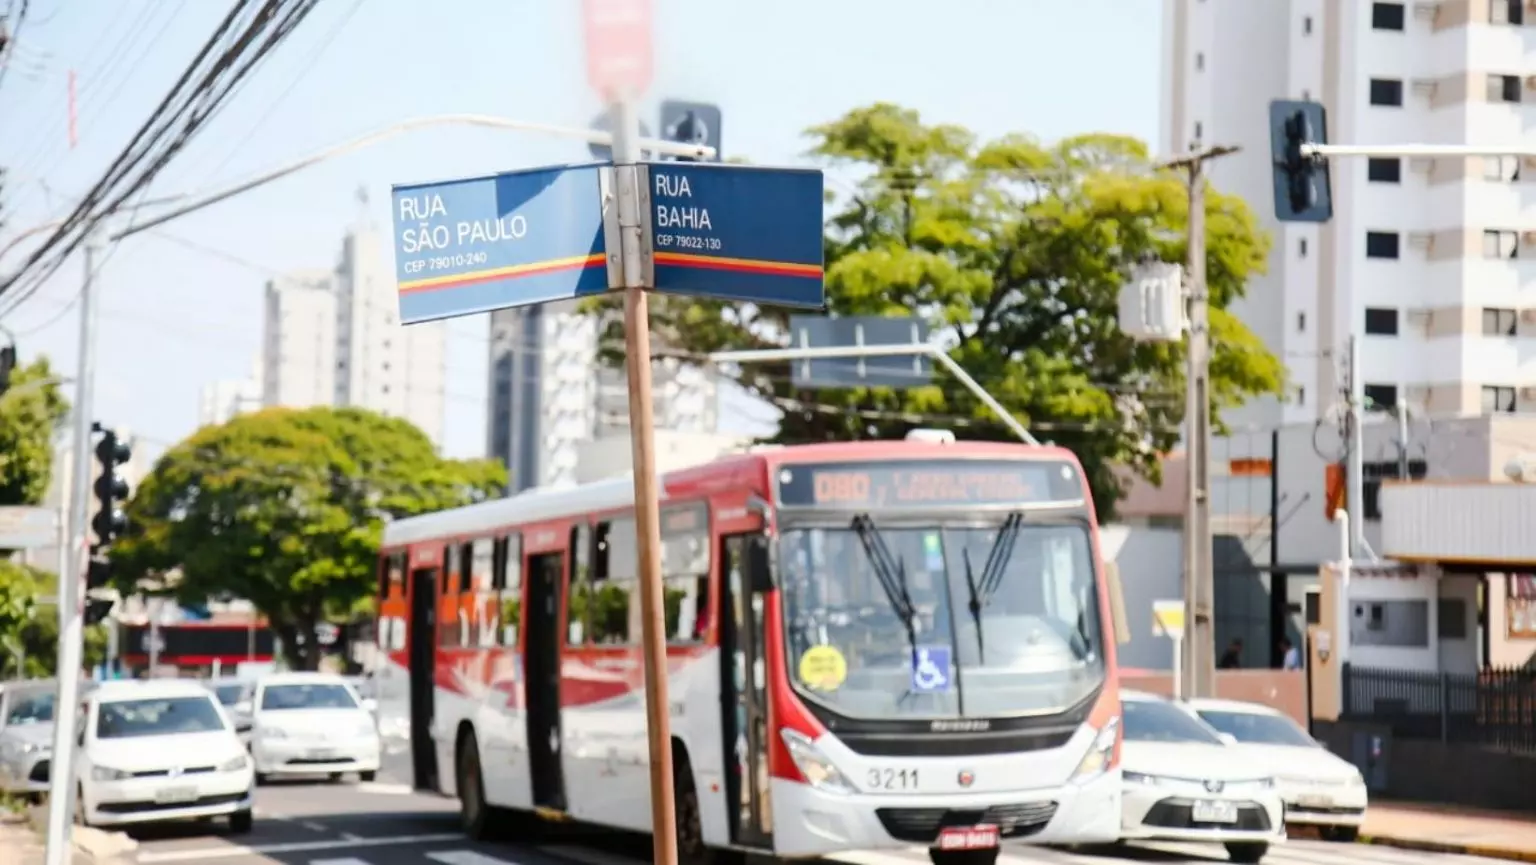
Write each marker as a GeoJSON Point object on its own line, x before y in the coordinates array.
{"type": "Point", "coordinates": [312, 723]}
{"type": "Point", "coordinates": [1319, 787]}
{"type": "Point", "coordinates": [160, 750]}
{"type": "Point", "coordinates": [1183, 783]}
{"type": "Point", "coordinates": [26, 736]}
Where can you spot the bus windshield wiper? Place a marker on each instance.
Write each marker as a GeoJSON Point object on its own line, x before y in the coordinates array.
{"type": "Point", "coordinates": [892, 574]}
{"type": "Point", "coordinates": [991, 573]}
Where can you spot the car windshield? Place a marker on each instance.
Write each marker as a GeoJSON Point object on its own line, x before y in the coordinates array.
{"type": "Point", "coordinates": [229, 695]}
{"type": "Point", "coordinates": [1034, 646]}
{"type": "Point", "coordinates": [161, 716]}
{"type": "Point", "coordinates": [33, 708]}
{"type": "Point", "coordinates": [307, 696]}
{"type": "Point", "coordinates": [1258, 729]}
{"type": "Point", "coordinates": [1156, 721]}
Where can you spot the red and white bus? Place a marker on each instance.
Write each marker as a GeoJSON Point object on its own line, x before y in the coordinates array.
{"type": "Point", "coordinates": [871, 645]}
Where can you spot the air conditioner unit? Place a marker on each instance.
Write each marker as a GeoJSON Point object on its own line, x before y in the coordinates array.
{"type": "Point", "coordinates": [1426, 87]}
{"type": "Point", "coordinates": [1421, 164]}
{"type": "Point", "coordinates": [1421, 240]}
{"type": "Point", "coordinates": [1426, 10]}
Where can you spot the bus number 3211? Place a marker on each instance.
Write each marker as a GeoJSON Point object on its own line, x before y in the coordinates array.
{"type": "Point", "coordinates": [892, 779]}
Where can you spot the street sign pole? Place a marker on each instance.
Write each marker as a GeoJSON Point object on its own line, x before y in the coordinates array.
{"type": "Point", "coordinates": [61, 776]}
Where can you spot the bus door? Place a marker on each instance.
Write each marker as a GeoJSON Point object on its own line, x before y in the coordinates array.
{"type": "Point", "coordinates": [541, 660]}
{"type": "Point", "coordinates": [422, 638]}
{"type": "Point", "coordinates": [744, 688]}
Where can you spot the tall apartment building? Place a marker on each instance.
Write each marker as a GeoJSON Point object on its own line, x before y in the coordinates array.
{"type": "Point", "coordinates": [335, 338]}
{"type": "Point", "coordinates": [222, 400]}
{"type": "Point", "coordinates": [1425, 259]}
{"type": "Point", "coordinates": [549, 394]}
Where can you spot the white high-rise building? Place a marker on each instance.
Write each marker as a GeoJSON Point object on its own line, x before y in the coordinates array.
{"type": "Point", "coordinates": [223, 400]}
{"type": "Point", "coordinates": [335, 338]}
{"type": "Point", "coordinates": [300, 348]}
{"type": "Point", "coordinates": [1424, 259]}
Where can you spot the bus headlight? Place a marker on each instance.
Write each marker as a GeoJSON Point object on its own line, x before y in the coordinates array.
{"type": "Point", "coordinates": [814, 765]}
{"type": "Point", "coordinates": [1100, 752]}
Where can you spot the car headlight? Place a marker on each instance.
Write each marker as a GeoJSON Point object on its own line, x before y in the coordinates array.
{"type": "Point", "coordinates": [1356, 780]}
{"type": "Point", "coordinates": [235, 764]}
{"type": "Point", "coordinates": [817, 768]}
{"type": "Point", "coordinates": [1101, 751]}
{"type": "Point", "coordinates": [106, 773]}
{"type": "Point", "coordinates": [271, 733]}
{"type": "Point", "coordinates": [1139, 778]}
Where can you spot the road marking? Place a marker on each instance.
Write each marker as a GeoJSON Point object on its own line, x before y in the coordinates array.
{"type": "Point", "coordinates": [350, 860]}
{"type": "Point", "coordinates": [467, 857]}
{"type": "Point", "coordinates": [385, 789]}
{"type": "Point", "coordinates": [235, 851]}
{"type": "Point", "coordinates": [348, 836]}
{"type": "Point", "coordinates": [586, 855]}
{"type": "Point", "coordinates": [315, 827]}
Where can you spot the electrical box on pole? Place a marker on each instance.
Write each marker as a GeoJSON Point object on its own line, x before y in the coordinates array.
{"type": "Point", "coordinates": [1152, 303]}
{"type": "Point", "coordinates": [1303, 192]}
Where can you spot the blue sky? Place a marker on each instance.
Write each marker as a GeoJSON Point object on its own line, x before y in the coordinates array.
{"type": "Point", "coordinates": [182, 308]}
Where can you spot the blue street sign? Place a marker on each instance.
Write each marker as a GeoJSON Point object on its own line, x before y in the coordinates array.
{"type": "Point", "coordinates": [737, 233]}
{"type": "Point", "coordinates": [512, 239]}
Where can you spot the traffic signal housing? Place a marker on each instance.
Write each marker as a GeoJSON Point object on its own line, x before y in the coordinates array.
{"type": "Point", "coordinates": [1303, 192]}
{"type": "Point", "coordinates": [110, 488]}
{"type": "Point", "coordinates": [98, 606]}
{"type": "Point", "coordinates": [691, 123]}
{"type": "Point", "coordinates": [7, 366]}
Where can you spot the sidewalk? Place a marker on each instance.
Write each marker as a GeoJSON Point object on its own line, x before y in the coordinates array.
{"type": "Point", "coordinates": [22, 844]}
{"type": "Point", "coordinates": [1444, 829]}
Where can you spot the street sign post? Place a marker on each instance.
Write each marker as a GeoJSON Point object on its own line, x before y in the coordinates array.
{"type": "Point", "coordinates": [604, 123]}
{"type": "Point", "coordinates": [1168, 621]}
{"type": "Point", "coordinates": [896, 371]}
{"type": "Point", "coordinates": [731, 232]}
{"type": "Point", "coordinates": [26, 528]}
{"type": "Point", "coordinates": [512, 239]}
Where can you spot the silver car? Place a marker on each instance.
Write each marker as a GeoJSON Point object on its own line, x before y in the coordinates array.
{"type": "Point", "coordinates": [26, 735]}
{"type": "Point", "coordinates": [235, 696]}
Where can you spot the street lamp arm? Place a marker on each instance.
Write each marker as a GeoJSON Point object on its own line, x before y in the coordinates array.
{"type": "Point", "coordinates": [591, 136]}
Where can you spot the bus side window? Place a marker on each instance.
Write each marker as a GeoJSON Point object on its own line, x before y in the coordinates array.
{"type": "Point", "coordinates": [465, 595]}
{"type": "Point", "coordinates": [685, 563]}
{"type": "Point", "coordinates": [447, 602]}
{"type": "Point", "coordinates": [507, 584]}
{"type": "Point", "coordinates": [611, 602]}
{"type": "Point", "coordinates": [483, 601]}
{"type": "Point", "coordinates": [578, 590]}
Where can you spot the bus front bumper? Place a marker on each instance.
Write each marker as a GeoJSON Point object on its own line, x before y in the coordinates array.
{"type": "Point", "coordinates": [809, 822]}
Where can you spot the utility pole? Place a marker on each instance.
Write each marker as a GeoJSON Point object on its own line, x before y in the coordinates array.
{"type": "Point", "coordinates": [1198, 677]}
{"type": "Point", "coordinates": [1402, 439]}
{"type": "Point", "coordinates": [61, 780]}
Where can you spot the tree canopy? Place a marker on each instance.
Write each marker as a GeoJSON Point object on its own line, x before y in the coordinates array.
{"type": "Point", "coordinates": [29, 629]}
{"type": "Point", "coordinates": [1013, 252]}
{"type": "Point", "coordinates": [285, 508]}
{"type": "Point", "coordinates": [31, 411]}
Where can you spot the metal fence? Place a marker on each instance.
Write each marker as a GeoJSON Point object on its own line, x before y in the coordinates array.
{"type": "Point", "coordinates": [1493, 708]}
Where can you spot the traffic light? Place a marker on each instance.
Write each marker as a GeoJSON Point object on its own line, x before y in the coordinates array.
{"type": "Point", "coordinates": [691, 123]}
{"type": "Point", "coordinates": [7, 366]}
{"type": "Point", "coordinates": [1302, 189]}
{"type": "Point", "coordinates": [97, 574]}
{"type": "Point", "coordinates": [111, 488]}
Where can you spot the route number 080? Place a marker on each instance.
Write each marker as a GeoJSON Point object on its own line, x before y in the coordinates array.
{"type": "Point", "coordinates": [892, 779]}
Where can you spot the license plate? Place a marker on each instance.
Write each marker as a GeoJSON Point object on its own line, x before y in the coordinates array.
{"type": "Point", "coordinates": [1215, 812]}
{"type": "Point", "coordinates": [175, 795]}
{"type": "Point", "coordinates": [1314, 801]}
{"type": "Point", "coordinates": [321, 754]}
{"type": "Point", "coordinates": [968, 838]}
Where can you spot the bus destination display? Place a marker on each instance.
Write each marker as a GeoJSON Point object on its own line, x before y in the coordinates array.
{"type": "Point", "coordinates": [947, 483]}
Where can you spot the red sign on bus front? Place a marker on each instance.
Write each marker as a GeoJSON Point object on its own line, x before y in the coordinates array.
{"type": "Point", "coordinates": [618, 46]}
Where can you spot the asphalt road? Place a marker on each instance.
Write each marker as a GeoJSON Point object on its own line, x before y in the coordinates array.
{"type": "Point", "coordinates": [385, 823]}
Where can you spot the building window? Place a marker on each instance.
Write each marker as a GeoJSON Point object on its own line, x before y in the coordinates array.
{"type": "Point", "coordinates": [1389, 623]}
{"type": "Point", "coordinates": [1507, 12]}
{"type": "Point", "coordinates": [1504, 88]}
{"type": "Point", "coordinates": [1199, 130]}
{"type": "Point", "coordinates": [1498, 399]}
{"type": "Point", "coordinates": [1520, 605]}
{"type": "Point", "coordinates": [1387, 16]}
{"type": "Point", "coordinates": [1380, 321]}
{"type": "Point", "coordinates": [1501, 169]}
{"type": "Point", "coordinates": [1306, 25]}
{"type": "Point", "coordinates": [1452, 616]}
{"type": "Point", "coordinates": [1380, 397]}
{"type": "Point", "coordinates": [1381, 244]}
{"type": "Point", "coordinates": [1385, 170]}
{"type": "Point", "coordinates": [1387, 92]}
{"type": "Point", "coordinates": [1301, 394]}
{"type": "Point", "coordinates": [1301, 248]}
{"type": "Point", "coordinates": [1500, 244]}
{"type": "Point", "coordinates": [1301, 322]}
{"type": "Point", "coordinates": [1498, 322]}
{"type": "Point", "coordinates": [1199, 61]}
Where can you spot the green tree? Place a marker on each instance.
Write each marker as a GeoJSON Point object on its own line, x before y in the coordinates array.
{"type": "Point", "coordinates": [1013, 251]}
{"type": "Point", "coordinates": [286, 508]}
{"type": "Point", "coordinates": [29, 629]}
{"type": "Point", "coordinates": [31, 411]}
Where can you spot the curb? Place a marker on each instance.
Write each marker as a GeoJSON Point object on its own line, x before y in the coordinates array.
{"type": "Point", "coordinates": [103, 846]}
{"type": "Point", "coordinates": [1487, 851]}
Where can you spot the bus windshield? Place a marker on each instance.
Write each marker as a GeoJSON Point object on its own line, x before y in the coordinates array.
{"type": "Point", "coordinates": [1033, 646]}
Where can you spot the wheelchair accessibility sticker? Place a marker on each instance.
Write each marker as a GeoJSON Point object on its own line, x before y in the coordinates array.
{"type": "Point", "coordinates": [932, 672]}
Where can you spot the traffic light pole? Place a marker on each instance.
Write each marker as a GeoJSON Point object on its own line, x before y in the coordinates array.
{"type": "Point", "coordinates": [61, 780]}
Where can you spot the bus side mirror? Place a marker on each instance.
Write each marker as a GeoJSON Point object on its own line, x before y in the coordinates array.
{"type": "Point", "coordinates": [758, 567]}
{"type": "Point", "coordinates": [1117, 603]}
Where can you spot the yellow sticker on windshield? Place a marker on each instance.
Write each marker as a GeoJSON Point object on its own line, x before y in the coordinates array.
{"type": "Point", "coordinates": [823, 668]}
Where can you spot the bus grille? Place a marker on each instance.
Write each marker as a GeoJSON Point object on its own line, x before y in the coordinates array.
{"type": "Point", "coordinates": [922, 825]}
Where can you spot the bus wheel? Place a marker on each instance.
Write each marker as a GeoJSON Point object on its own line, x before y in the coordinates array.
{"type": "Point", "coordinates": [474, 814]}
{"type": "Point", "coordinates": [691, 849]}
